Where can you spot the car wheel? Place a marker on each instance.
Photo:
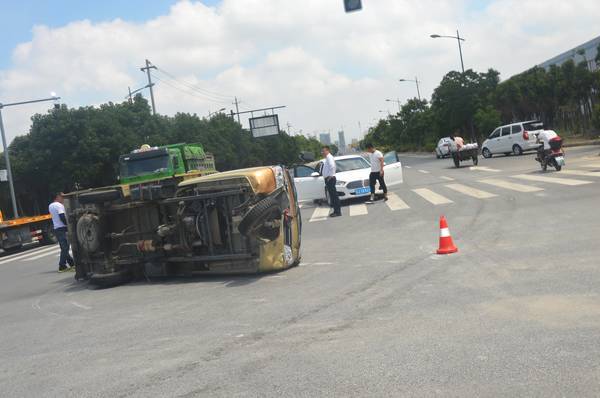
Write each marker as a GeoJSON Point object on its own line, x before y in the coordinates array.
{"type": "Point", "coordinates": [486, 153]}
{"type": "Point", "coordinates": [517, 150]}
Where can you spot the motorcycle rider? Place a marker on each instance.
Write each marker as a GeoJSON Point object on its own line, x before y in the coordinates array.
{"type": "Point", "coordinates": [544, 138]}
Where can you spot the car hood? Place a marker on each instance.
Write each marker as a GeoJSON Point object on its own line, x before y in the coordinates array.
{"type": "Point", "coordinates": [353, 175]}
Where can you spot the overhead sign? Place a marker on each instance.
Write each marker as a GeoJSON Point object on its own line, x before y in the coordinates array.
{"type": "Point", "coordinates": [352, 5]}
{"type": "Point", "coordinates": [264, 126]}
{"type": "Point", "coordinates": [3, 175]}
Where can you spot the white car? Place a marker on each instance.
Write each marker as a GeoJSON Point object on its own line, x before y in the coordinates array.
{"type": "Point", "coordinates": [514, 138]}
{"type": "Point", "coordinates": [352, 177]}
{"type": "Point", "coordinates": [443, 147]}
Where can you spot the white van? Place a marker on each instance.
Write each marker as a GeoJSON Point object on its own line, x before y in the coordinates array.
{"type": "Point", "coordinates": [514, 138]}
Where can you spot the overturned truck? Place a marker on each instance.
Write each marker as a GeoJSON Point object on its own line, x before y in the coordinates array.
{"type": "Point", "coordinates": [173, 215]}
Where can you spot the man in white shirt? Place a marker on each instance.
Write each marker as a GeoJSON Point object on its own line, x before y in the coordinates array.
{"type": "Point", "coordinates": [59, 221]}
{"type": "Point", "coordinates": [377, 163]}
{"type": "Point", "coordinates": [544, 138]}
{"type": "Point", "coordinates": [328, 172]}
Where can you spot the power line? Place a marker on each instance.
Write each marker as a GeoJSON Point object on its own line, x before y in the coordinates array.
{"type": "Point", "coordinates": [187, 91]}
{"type": "Point", "coordinates": [195, 87]}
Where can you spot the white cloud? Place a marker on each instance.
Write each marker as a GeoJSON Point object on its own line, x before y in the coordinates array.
{"type": "Point", "coordinates": [331, 69]}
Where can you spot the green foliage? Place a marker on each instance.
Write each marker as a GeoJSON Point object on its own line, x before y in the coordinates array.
{"type": "Point", "coordinates": [69, 149]}
{"type": "Point", "coordinates": [486, 120]}
{"type": "Point", "coordinates": [596, 117]}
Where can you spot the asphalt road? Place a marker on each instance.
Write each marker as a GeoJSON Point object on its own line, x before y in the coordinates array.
{"type": "Point", "coordinates": [371, 311]}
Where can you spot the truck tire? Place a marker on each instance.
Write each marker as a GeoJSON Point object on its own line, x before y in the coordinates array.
{"type": "Point", "coordinates": [108, 195]}
{"type": "Point", "coordinates": [48, 236]}
{"type": "Point", "coordinates": [89, 235]}
{"type": "Point", "coordinates": [267, 208]}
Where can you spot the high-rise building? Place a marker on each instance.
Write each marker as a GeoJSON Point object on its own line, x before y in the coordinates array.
{"type": "Point", "coordinates": [342, 141]}
{"type": "Point", "coordinates": [325, 138]}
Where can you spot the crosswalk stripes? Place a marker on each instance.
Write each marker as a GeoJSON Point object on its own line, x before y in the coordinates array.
{"type": "Point", "coordinates": [447, 178]}
{"type": "Point", "coordinates": [320, 214]}
{"type": "Point", "coordinates": [475, 193]}
{"type": "Point", "coordinates": [511, 185]}
{"type": "Point", "coordinates": [395, 203]}
{"type": "Point", "coordinates": [31, 253]}
{"type": "Point", "coordinates": [591, 165]}
{"type": "Point", "coordinates": [55, 252]}
{"type": "Point", "coordinates": [423, 171]}
{"type": "Point", "coordinates": [583, 173]}
{"type": "Point", "coordinates": [358, 210]}
{"type": "Point", "coordinates": [432, 197]}
{"type": "Point", "coordinates": [552, 180]}
{"type": "Point", "coordinates": [482, 168]}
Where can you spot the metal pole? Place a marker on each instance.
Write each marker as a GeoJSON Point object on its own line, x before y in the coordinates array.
{"type": "Point", "coordinates": [147, 70]}
{"type": "Point", "coordinates": [462, 64]}
{"type": "Point", "coordinates": [237, 109]}
{"type": "Point", "coordinates": [399, 108]}
{"type": "Point", "coordinates": [418, 92]}
{"type": "Point", "coordinates": [8, 168]}
{"type": "Point", "coordinates": [130, 97]}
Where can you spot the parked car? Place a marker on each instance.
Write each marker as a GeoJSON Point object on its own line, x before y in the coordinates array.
{"type": "Point", "coordinates": [443, 148]}
{"type": "Point", "coordinates": [514, 138]}
{"type": "Point", "coordinates": [352, 177]}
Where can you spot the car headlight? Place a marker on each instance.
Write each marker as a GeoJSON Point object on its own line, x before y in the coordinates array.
{"type": "Point", "coordinates": [340, 183]}
{"type": "Point", "coordinates": [278, 172]}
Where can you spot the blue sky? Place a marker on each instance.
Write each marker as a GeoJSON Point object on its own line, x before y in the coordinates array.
{"type": "Point", "coordinates": [19, 17]}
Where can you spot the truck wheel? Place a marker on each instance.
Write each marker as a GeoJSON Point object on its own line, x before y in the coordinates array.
{"type": "Point", "coordinates": [89, 233]}
{"type": "Point", "coordinates": [266, 209]}
{"type": "Point", "coordinates": [99, 196]}
{"type": "Point", "coordinates": [110, 280]}
{"type": "Point", "coordinates": [48, 236]}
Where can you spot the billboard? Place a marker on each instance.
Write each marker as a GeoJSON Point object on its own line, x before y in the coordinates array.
{"type": "Point", "coordinates": [264, 126]}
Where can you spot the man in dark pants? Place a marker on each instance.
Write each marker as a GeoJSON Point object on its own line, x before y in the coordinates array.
{"type": "Point", "coordinates": [377, 163]}
{"type": "Point", "coordinates": [328, 172]}
{"type": "Point", "coordinates": [59, 221]}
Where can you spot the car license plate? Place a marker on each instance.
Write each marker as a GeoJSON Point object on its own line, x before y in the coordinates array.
{"type": "Point", "coordinates": [560, 160]}
{"type": "Point", "coordinates": [362, 191]}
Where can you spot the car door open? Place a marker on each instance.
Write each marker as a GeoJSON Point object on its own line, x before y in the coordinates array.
{"type": "Point", "coordinates": [309, 183]}
{"type": "Point", "coordinates": [392, 169]}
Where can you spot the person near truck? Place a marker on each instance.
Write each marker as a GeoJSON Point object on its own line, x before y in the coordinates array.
{"type": "Point", "coordinates": [328, 173]}
{"type": "Point", "coordinates": [59, 222]}
{"type": "Point", "coordinates": [377, 163]}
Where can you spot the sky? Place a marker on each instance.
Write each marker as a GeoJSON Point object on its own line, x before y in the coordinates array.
{"type": "Point", "coordinates": [330, 69]}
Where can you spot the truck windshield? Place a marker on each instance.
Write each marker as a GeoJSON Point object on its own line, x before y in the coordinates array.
{"type": "Point", "coordinates": [131, 167]}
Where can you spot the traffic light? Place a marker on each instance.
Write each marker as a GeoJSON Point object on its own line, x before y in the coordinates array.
{"type": "Point", "coordinates": [352, 5]}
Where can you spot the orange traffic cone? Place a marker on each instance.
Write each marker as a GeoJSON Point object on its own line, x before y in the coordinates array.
{"type": "Point", "coordinates": [446, 243]}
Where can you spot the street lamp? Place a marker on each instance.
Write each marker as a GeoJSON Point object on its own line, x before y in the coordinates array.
{"type": "Point", "coordinates": [416, 81]}
{"type": "Point", "coordinates": [459, 39]}
{"type": "Point", "coordinates": [396, 101]}
{"type": "Point", "coordinates": [4, 145]}
{"type": "Point", "coordinates": [214, 113]}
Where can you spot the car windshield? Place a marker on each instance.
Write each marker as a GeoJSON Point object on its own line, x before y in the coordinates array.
{"type": "Point", "coordinates": [349, 164]}
{"type": "Point", "coordinates": [139, 167]}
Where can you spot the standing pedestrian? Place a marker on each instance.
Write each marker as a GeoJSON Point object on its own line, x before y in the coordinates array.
{"type": "Point", "coordinates": [377, 163]}
{"type": "Point", "coordinates": [328, 173]}
{"type": "Point", "coordinates": [59, 222]}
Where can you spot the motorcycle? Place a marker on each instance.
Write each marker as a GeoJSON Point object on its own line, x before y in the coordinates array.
{"type": "Point", "coordinates": [554, 157]}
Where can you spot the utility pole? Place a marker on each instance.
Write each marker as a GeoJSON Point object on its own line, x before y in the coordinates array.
{"type": "Point", "coordinates": [147, 70]}
{"type": "Point", "coordinates": [130, 97]}
{"type": "Point", "coordinates": [237, 109]}
{"type": "Point", "coordinates": [288, 128]}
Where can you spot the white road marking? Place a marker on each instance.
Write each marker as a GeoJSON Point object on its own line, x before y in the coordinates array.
{"type": "Point", "coordinates": [358, 210]}
{"type": "Point", "coordinates": [395, 203]}
{"type": "Point", "coordinates": [583, 173]}
{"type": "Point", "coordinates": [21, 256]}
{"type": "Point", "coordinates": [475, 193]}
{"type": "Point", "coordinates": [432, 197]}
{"type": "Point", "coordinates": [447, 178]}
{"type": "Point", "coordinates": [323, 264]}
{"type": "Point", "coordinates": [320, 214]}
{"type": "Point", "coordinates": [41, 255]}
{"type": "Point", "coordinates": [408, 167]}
{"type": "Point", "coordinates": [76, 304]}
{"type": "Point", "coordinates": [482, 168]}
{"type": "Point", "coordinates": [552, 180]}
{"type": "Point", "coordinates": [590, 165]}
{"type": "Point", "coordinates": [423, 171]}
{"type": "Point", "coordinates": [510, 185]}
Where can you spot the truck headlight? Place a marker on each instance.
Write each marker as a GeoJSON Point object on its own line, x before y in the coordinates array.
{"type": "Point", "coordinates": [278, 172]}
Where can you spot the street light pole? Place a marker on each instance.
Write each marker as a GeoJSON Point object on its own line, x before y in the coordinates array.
{"type": "Point", "coordinates": [416, 81]}
{"type": "Point", "coordinates": [5, 147]}
{"type": "Point", "coordinates": [459, 39]}
{"type": "Point", "coordinates": [396, 101]}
